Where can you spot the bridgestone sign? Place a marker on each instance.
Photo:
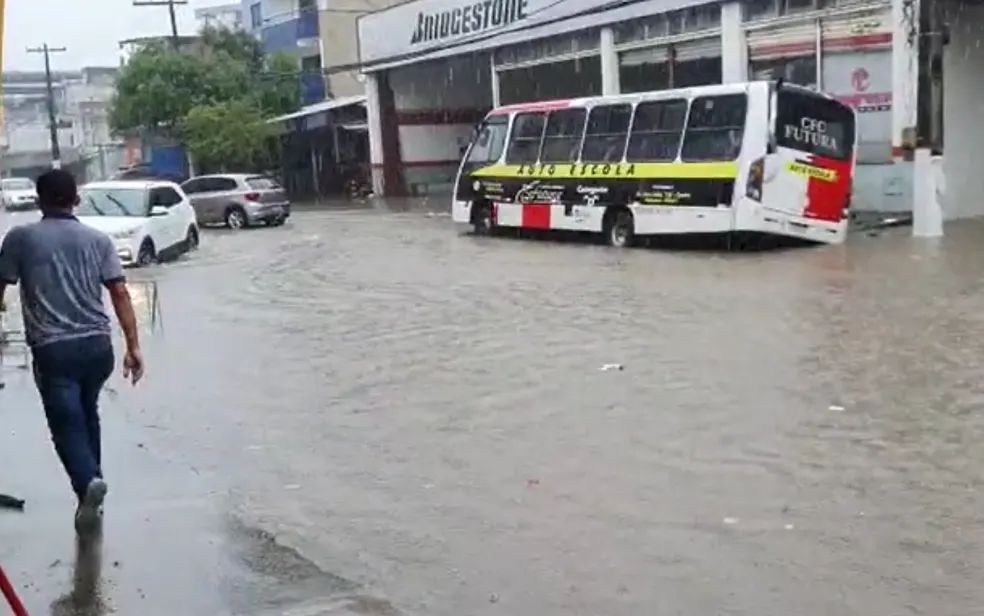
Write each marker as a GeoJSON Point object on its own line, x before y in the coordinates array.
{"type": "Point", "coordinates": [472, 18]}
{"type": "Point", "coordinates": [413, 31]}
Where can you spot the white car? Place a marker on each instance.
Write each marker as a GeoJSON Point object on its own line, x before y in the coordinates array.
{"type": "Point", "coordinates": [148, 220]}
{"type": "Point", "coordinates": [18, 194]}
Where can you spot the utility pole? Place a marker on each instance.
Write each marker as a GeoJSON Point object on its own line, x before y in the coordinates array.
{"type": "Point", "coordinates": [52, 122]}
{"type": "Point", "coordinates": [170, 4]}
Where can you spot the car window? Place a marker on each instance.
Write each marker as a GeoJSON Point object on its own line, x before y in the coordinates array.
{"type": "Point", "coordinates": [604, 139]}
{"type": "Point", "coordinates": [112, 202]}
{"type": "Point", "coordinates": [262, 183]}
{"type": "Point", "coordinates": [715, 128]}
{"type": "Point", "coordinates": [224, 184]}
{"type": "Point", "coordinates": [17, 184]}
{"type": "Point", "coordinates": [192, 186]}
{"type": "Point", "coordinates": [656, 131]}
{"type": "Point", "coordinates": [562, 139]}
{"type": "Point", "coordinates": [164, 196]}
{"type": "Point", "coordinates": [527, 132]}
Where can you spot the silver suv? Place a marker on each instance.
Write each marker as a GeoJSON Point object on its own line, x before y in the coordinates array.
{"type": "Point", "coordinates": [238, 200]}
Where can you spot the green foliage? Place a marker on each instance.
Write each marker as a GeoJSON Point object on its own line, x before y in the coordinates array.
{"type": "Point", "coordinates": [279, 90]}
{"type": "Point", "coordinates": [159, 87]}
{"type": "Point", "coordinates": [231, 136]}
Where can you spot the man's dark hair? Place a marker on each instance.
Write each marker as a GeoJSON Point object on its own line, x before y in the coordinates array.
{"type": "Point", "coordinates": [57, 190]}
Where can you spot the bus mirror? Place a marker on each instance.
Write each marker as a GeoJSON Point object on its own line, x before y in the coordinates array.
{"type": "Point", "coordinates": [771, 147]}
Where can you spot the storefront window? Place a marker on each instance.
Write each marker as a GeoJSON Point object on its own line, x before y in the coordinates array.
{"type": "Point", "coordinates": [648, 76]}
{"type": "Point", "coordinates": [566, 79]}
{"type": "Point", "coordinates": [801, 70]}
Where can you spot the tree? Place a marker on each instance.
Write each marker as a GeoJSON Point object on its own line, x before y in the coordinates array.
{"type": "Point", "coordinates": [279, 90]}
{"type": "Point", "coordinates": [159, 86]}
{"type": "Point", "coordinates": [226, 136]}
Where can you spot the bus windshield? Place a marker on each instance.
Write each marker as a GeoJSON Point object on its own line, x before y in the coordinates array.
{"type": "Point", "coordinates": [809, 123]}
{"type": "Point", "coordinates": [489, 141]}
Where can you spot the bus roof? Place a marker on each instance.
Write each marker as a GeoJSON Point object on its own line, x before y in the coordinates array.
{"type": "Point", "coordinates": [588, 101]}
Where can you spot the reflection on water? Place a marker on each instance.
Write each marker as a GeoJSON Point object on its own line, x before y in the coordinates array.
{"type": "Point", "coordinates": [86, 595]}
{"type": "Point", "coordinates": [147, 304]}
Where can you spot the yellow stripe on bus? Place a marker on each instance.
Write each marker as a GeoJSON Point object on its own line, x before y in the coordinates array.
{"type": "Point", "coordinates": [810, 171]}
{"type": "Point", "coordinates": [626, 171]}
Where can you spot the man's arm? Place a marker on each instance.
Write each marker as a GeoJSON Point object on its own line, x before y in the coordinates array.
{"type": "Point", "coordinates": [115, 282]}
{"type": "Point", "coordinates": [9, 271]}
{"type": "Point", "coordinates": [133, 365]}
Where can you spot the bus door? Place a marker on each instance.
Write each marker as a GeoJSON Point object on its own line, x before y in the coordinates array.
{"type": "Point", "coordinates": [808, 172]}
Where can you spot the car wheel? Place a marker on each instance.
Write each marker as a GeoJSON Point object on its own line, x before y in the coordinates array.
{"type": "Point", "coordinates": [620, 231]}
{"type": "Point", "coordinates": [236, 219]}
{"type": "Point", "coordinates": [278, 221]}
{"type": "Point", "coordinates": [192, 241]}
{"type": "Point", "coordinates": [147, 254]}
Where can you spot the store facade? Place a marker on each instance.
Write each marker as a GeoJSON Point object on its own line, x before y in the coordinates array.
{"type": "Point", "coordinates": [434, 67]}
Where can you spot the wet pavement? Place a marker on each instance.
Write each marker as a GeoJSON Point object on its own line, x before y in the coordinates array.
{"type": "Point", "coordinates": [365, 412]}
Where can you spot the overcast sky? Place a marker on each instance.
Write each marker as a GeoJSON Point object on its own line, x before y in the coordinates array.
{"type": "Point", "coordinates": [91, 29]}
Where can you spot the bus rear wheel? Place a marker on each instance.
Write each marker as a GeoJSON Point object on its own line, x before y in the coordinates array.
{"type": "Point", "coordinates": [620, 230]}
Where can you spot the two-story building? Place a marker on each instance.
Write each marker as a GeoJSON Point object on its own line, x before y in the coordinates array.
{"type": "Point", "coordinates": [291, 26]}
{"type": "Point", "coordinates": [434, 67]}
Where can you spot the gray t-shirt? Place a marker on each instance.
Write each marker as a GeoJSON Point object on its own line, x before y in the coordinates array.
{"type": "Point", "coordinates": [62, 266]}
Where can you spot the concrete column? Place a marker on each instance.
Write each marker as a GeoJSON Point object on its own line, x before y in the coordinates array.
{"type": "Point", "coordinates": [374, 119]}
{"type": "Point", "coordinates": [905, 70]}
{"type": "Point", "coordinates": [734, 47]}
{"type": "Point", "coordinates": [494, 80]}
{"type": "Point", "coordinates": [610, 80]}
{"type": "Point", "coordinates": [927, 212]}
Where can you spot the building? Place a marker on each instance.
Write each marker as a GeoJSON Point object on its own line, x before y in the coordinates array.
{"type": "Point", "coordinates": [434, 67]}
{"type": "Point", "coordinates": [82, 104]}
{"type": "Point", "coordinates": [291, 26]}
{"type": "Point", "coordinates": [338, 26]}
{"type": "Point", "coordinates": [228, 16]}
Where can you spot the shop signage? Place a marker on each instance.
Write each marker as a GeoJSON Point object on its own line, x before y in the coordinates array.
{"type": "Point", "coordinates": [411, 31]}
{"type": "Point", "coordinates": [470, 18]}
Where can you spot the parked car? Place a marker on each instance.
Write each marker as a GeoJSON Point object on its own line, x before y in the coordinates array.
{"type": "Point", "coordinates": [18, 194]}
{"type": "Point", "coordinates": [148, 220]}
{"type": "Point", "coordinates": [143, 171]}
{"type": "Point", "coordinates": [238, 200]}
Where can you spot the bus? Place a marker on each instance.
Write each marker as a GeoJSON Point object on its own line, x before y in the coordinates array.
{"type": "Point", "coordinates": [759, 158]}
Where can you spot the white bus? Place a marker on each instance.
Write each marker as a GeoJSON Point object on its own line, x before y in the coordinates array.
{"type": "Point", "coordinates": [748, 158]}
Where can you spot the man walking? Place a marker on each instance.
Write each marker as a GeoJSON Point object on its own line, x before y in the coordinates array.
{"type": "Point", "coordinates": [62, 267]}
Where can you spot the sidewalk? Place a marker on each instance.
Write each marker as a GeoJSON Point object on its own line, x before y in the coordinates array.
{"type": "Point", "coordinates": [174, 542]}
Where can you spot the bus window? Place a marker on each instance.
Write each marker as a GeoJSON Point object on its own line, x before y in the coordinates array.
{"type": "Point", "coordinates": [524, 147]}
{"type": "Point", "coordinates": [604, 139]}
{"type": "Point", "coordinates": [490, 141]}
{"type": "Point", "coordinates": [562, 139]}
{"type": "Point", "coordinates": [656, 131]}
{"type": "Point", "coordinates": [715, 128]}
{"type": "Point", "coordinates": [813, 124]}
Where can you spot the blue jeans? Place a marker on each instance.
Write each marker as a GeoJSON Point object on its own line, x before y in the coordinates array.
{"type": "Point", "coordinates": [69, 375]}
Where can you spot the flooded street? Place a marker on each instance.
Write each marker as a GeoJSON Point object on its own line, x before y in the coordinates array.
{"type": "Point", "coordinates": [366, 412]}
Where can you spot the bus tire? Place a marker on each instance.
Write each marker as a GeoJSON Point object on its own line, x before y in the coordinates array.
{"type": "Point", "coordinates": [482, 221]}
{"type": "Point", "coordinates": [619, 228]}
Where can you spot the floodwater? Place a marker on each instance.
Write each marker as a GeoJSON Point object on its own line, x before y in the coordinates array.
{"type": "Point", "coordinates": [367, 412]}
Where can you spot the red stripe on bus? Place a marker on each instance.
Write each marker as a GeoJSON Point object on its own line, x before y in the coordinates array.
{"type": "Point", "coordinates": [536, 216]}
{"type": "Point", "coordinates": [826, 199]}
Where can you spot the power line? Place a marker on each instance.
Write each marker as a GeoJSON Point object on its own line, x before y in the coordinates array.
{"type": "Point", "coordinates": [170, 4]}
{"type": "Point", "coordinates": [52, 124]}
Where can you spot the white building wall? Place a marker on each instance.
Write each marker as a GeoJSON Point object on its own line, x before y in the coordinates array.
{"type": "Point", "coordinates": [963, 107]}
{"type": "Point", "coordinates": [734, 46]}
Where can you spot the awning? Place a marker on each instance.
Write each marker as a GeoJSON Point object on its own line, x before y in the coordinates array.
{"type": "Point", "coordinates": [329, 105]}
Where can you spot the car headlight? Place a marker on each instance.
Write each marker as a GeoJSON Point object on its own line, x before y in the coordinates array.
{"type": "Point", "coordinates": [125, 235]}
